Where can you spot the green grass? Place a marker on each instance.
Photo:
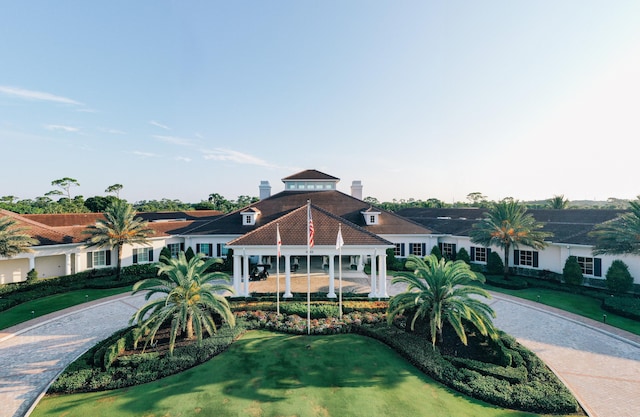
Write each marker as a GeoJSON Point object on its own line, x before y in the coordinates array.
{"type": "Point", "coordinates": [272, 374]}
{"type": "Point", "coordinates": [46, 305]}
{"type": "Point", "coordinates": [574, 303]}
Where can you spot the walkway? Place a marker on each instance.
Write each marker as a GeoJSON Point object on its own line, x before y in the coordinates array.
{"type": "Point", "coordinates": [600, 364]}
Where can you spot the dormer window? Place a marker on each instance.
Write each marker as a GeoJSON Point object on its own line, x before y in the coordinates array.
{"type": "Point", "coordinates": [371, 217]}
{"type": "Point", "coordinates": [249, 216]}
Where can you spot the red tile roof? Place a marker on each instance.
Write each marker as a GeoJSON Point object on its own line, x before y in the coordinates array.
{"type": "Point", "coordinates": [311, 174]}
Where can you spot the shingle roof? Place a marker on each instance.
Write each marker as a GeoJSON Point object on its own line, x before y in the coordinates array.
{"type": "Point", "coordinates": [311, 174]}
{"type": "Point", "coordinates": [568, 226]}
{"type": "Point", "coordinates": [335, 202]}
{"type": "Point", "coordinates": [293, 231]}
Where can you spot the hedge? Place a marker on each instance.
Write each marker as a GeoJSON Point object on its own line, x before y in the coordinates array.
{"type": "Point", "coordinates": [623, 306]}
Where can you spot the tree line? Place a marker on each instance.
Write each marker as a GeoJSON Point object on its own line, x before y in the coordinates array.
{"type": "Point", "coordinates": [67, 203]}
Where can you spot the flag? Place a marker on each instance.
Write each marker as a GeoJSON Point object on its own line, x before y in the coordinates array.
{"type": "Point", "coordinates": [339, 241]}
{"type": "Point", "coordinates": [278, 240]}
{"type": "Point", "coordinates": [311, 230]}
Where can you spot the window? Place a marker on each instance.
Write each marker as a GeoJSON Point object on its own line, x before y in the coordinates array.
{"type": "Point", "coordinates": [479, 254]}
{"type": "Point", "coordinates": [525, 258]}
{"type": "Point", "coordinates": [223, 250]}
{"type": "Point", "coordinates": [398, 250]}
{"type": "Point", "coordinates": [174, 248]}
{"type": "Point", "coordinates": [142, 255]}
{"type": "Point", "coordinates": [417, 249]}
{"type": "Point", "coordinates": [372, 219]}
{"type": "Point", "coordinates": [247, 219]}
{"type": "Point", "coordinates": [98, 259]}
{"type": "Point", "coordinates": [590, 266]}
{"type": "Point", "coordinates": [448, 250]}
{"type": "Point", "coordinates": [205, 248]}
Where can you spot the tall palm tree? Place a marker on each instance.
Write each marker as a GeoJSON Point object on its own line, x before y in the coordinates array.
{"type": "Point", "coordinates": [190, 297]}
{"type": "Point", "coordinates": [13, 239]}
{"type": "Point", "coordinates": [558, 202]}
{"type": "Point", "coordinates": [506, 225]}
{"type": "Point", "coordinates": [439, 290]}
{"type": "Point", "coordinates": [621, 235]}
{"type": "Point", "coordinates": [120, 227]}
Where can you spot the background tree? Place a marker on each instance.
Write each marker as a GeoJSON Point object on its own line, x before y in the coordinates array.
{"type": "Point", "coordinates": [115, 189]}
{"type": "Point", "coordinates": [190, 298]}
{"type": "Point", "coordinates": [98, 204]}
{"type": "Point", "coordinates": [65, 184]}
{"type": "Point", "coordinates": [618, 277]}
{"type": "Point", "coordinates": [507, 225]}
{"type": "Point", "coordinates": [572, 273]}
{"type": "Point", "coordinates": [477, 199]}
{"type": "Point", "coordinates": [14, 239]}
{"type": "Point", "coordinates": [438, 291]}
{"type": "Point", "coordinates": [621, 235]}
{"type": "Point", "coordinates": [558, 202]}
{"type": "Point", "coordinates": [119, 227]}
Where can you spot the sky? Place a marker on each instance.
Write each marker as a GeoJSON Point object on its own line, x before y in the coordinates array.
{"type": "Point", "coordinates": [416, 99]}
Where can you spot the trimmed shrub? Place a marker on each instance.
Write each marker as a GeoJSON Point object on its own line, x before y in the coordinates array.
{"type": "Point", "coordinates": [463, 255]}
{"type": "Point", "coordinates": [32, 275]}
{"type": "Point", "coordinates": [572, 273]}
{"type": "Point", "coordinates": [495, 266]}
{"type": "Point", "coordinates": [619, 278]}
{"type": "Point", "coordinates": [436, 251]}
{"type": "Point", "coordinates": [624, 306]}
{"type": "Point", "coordinates": [513, 283]}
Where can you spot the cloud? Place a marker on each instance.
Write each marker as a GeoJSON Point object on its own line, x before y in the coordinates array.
{"type": "Point", "coordinates": [63, 128]}
{"type": "Point", "coordinates": [183, 158]}
{"type": "Point", "coordinates": [158, 124]}
{"type": "Point", "coordinates": [146, 154]}
{"type": "Point", "coordinates": [220, 154]}
{"type": "Point", "coordinates": [175, 140]}
{"type": "Point", "coordinates": [36, 95]}
{"type": "Point", "coordinates": [112, 131]}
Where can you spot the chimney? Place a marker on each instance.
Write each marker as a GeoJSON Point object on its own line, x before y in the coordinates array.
{"type": "Point", "coordinates": [265, 190]}
{"type": "Point", "coordinates": [356, 189]}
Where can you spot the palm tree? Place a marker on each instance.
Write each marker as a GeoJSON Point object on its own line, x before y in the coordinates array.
{"type": "Point", "coordinates": [120, 227]}
{"type": "Point", "coordinates": [621, 235]}
{"type": "Point", "coordinates": [506, 224]}
{"type": "Point", "coordinates": [558, 202]}
{"type": "Point", "coordinates": [439, 290]}
{"type": "Point", "coordinates": [13, 239]}
{"type": "Point", "coordinates": [189, 298]}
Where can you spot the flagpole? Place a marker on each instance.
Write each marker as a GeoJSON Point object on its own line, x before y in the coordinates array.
{"type": "Point", "coordinates": [340, 243]}
{"type": "Point", "coordinates": [309, 267]}
{"type": "Point", "coordinates": [278, 244]}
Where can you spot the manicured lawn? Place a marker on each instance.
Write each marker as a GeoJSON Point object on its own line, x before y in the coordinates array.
{"type": "Point", "coordinates": [272, 374]}
{"type": "Point", "coordinates": [46, 305]}
{"type": "Point", "coordinates": [574, 303]}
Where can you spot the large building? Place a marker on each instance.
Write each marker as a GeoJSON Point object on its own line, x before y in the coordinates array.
{"type": "Point", "coordinates": [251, 233]}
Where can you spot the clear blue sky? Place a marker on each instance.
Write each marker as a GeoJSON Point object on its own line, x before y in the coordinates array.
{"type": "Point", "coordinates": [417, 99]}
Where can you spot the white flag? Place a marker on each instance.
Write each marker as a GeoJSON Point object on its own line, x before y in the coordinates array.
{"type": "Point", "coordinates": [279, 241]}
{"type": "Point", "coordinates": [339, 241]}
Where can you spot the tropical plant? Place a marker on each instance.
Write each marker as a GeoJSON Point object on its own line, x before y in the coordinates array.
{"type": "Point", "coordinates": [119, 227]}
{"type": "Point", "coordinates": [439, 291]}
{"type": "Point", "coordinates": [14, 239]}
{"type": "Point", "coordinates": [558, 202]}
{"type": "Point", "coordinates": [621, 235]}
{"type": "Point", "coordinates": [572, 273]}
{"type": "Point", "coordinates": [618, 277]}
{"type": "Point", "coordinates": [190, 298]}
{"type": "Point", "coordinates": [505, 225]}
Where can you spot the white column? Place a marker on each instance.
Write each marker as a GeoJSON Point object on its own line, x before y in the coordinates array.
{"type": "Point", "coordinates": [32, 262]}
{"type": "Point", "coordinates": [67, 264]}
{"type": "Point", "coordinates": [332, 290]}
{"type": "Point", "coordinates": [245, 274]}
{"type": "Point", "coordinates": [382, 288]}
{"type": "Point", "coordinates": [287, 277]}
{"type": "Point", "coordinates": [237, 273]}
{"type": "Point", "coordinates": [374, 290]}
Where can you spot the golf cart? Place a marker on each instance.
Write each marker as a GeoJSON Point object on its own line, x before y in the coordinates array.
{"type": "Point", "coordinates": [259, 272]}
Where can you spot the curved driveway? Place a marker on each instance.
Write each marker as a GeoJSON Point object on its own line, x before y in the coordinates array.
{"type": "Point", "coordinates": [600, 364]}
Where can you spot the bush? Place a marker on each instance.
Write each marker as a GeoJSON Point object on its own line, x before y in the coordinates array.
{"type": "Point", "coordinates": [32, 275]}
{"type": "Point", "coordinates": [618, 277]}
{"type": "Point", "coordinates": [513, 283]}
{"type": "Point", "coordinates": [463, 255]}
{"type": "Point", "coordinates": [495, 266]}
{"type": "Point", "coordinates": [624, 306]}
{"type": "Point", "coordinates": [436, 251]}
{"type": "Point", "coordinates": [572, 273]}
